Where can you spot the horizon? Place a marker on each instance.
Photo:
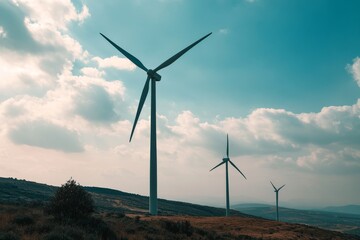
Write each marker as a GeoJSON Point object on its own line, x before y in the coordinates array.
{"type": "Point", "coordinates": [281, 78]}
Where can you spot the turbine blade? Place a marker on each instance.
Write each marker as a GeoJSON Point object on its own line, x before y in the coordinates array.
{"type": "Point", "coordinates": [237, 168]}
{"type": "Point", "coordinates": [141, 104]}
{"type": "Point", "coordinates": [281, 187]}
{"type": "Point", "coordinates": [217, 166]}
{"type": "Point", "coordinates": [179, 54]}
{"type": "Point", "coordinates": [126, 54]}
{"type": "Point", "coordinates": [273, 186]}
{"type": "Point", "coordinates": [227, 145]}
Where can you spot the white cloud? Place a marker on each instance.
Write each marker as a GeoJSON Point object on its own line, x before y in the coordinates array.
{"type": "Point", "coordinates": [92, 72]}
{"type": "Point", "coordinates": [224, 31]}
{"type": "Point", "coordinates": [327, 141]}
{"type": "Point", "coordinates": [39, 87]}
{"type": "Point", "coordinates": [354, 69]}
{"type": "Point", "coordinates": [52, 14]}
{"type": "Point", "coordinates": [2, 32]}
{"type": "Point", "coordinates": [115, 62]}
{"type": "Point", "coordinates": [83, 14]}
{"type": "Point", "coordinates": [38, 48]}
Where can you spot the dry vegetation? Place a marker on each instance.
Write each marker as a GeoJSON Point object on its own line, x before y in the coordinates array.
{"type": "Point", "coordinates": [257, 228]}
{"type": "Point", "coordinates": [30, 222]}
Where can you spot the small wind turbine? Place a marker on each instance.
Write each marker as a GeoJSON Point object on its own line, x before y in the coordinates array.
{"type": "Point", "coordinates": [227, 160]}
{"type": "Point", "coordinates": [276, 190]}
{"type": "Point", "coordinates": [153, 76]}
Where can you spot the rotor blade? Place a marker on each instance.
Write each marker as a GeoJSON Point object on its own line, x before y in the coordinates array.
{"type": "Point", "coordinates": [273, 186]}
{"type": "Point", "coordinates": [227, 145]}
{"type": "Point", "coordinates": [179, 54]}
{"type": "Point", "coordinates": [141, 104]}
{"type": "Point", "coordinates": [217, 166]}
{"type": "Point", "coordinates": [126, 54]}
{"type": "Point", "coordinates": [281, 187]}
{"type": "Point", "coordinates": [237, 168]}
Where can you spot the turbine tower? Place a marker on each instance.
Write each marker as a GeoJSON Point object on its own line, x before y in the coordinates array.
{"type": "Point", "coordinates": [276, 190]}
{"type": "Point", "coordinates": [154, 77]}
{"type": "Point", "coordinates": [227, 160]}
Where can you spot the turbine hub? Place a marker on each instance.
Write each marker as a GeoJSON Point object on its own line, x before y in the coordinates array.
{"type": "Point", "coordinates": [225, 159]}
{"type": "Point", "coordinates": [153, 75]}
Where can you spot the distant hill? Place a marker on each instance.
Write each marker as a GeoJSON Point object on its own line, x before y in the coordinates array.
{"type": "Point", "coordinates": [22, 191]}
{"type": "Point", "coordinates": [349, 209]}
{"type": "Point", "coordinates": [343, 222]}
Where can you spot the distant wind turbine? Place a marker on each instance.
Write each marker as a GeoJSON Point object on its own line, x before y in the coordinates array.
{"type": "Point", "coordinates": [153, 76]}
{"type": "Point", "coordinates": [276, 190]}
{"type": "Point", "coordinates": [227, 160]}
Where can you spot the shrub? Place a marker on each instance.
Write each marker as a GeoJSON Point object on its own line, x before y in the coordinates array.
{"type": "Point", "coordinates": [65, 233]}
{"type": "Point", "coordinates": [71, 201]}
{"type": "Point", "coordinates": [23, 220]}
{"type": "Point", "coordinates": [182, 227]}
{"type": "Point", "coordinates": [9, 236]}
{"type": "Point", "coordinates": [120, 214]}
{"type": "Point", "coordinates": [97, 226]}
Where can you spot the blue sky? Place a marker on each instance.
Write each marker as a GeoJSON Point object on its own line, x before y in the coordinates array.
{"type": "Point", "coordinates": [260, 54]}
{"type": "Point", "coordinates": [281, 77]}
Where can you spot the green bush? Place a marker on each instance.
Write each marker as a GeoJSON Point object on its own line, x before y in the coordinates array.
{"type": "Point", "coordinates": [71, 202]}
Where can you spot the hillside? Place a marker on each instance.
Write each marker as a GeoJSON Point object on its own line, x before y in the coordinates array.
{"type": "Point", "coordinates": [20, 199]}
{"type": "Point", "coordinates": [21, 191]}
{"type": "Point", "coordinates": [347, 223]}
{"type": "Point", "coordinates": [30, 222]}
{"type": "Point", "coordinates": [349, 209]}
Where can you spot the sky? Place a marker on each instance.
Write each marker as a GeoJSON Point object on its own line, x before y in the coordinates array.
{"type": "Point", "coordinates": [282, 78]}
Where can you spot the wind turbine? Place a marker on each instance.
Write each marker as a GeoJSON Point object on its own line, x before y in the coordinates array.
{"type": "Point", "coordinates": [227, 160]}
{"type": "Point", "coordinates": [276, 190]}
{"type": "Point", "coordinates": [153, 76]}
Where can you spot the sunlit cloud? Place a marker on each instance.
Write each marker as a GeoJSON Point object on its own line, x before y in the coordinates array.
{"type": "Point", "coordinates": [2, 32]}
{"type": "Point", "coordinates": [115, 62]}
{"type": "Point", "coordinates": [354, 69]}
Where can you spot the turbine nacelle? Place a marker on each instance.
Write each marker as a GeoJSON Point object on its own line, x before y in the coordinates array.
{"type": "Point", "coordinates": [227, 159]}
{"type": "Point", "coordinates": [153, 75]}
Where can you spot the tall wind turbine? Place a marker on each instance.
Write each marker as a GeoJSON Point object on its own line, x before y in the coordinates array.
{"type": "Point", "coordinates": [153, 76]}
{"type": "Point", "coordinates": [227, 160]}
{"type": "Point", "coordinates": [276, 190]}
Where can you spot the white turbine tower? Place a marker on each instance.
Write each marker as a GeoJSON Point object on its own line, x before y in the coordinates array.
{"type": "Point", "coordinates": [227, 160]}
{"type": "Point", "coordinates": [276, 190]}
{"type": "Point", "coordinates": [154, 77]}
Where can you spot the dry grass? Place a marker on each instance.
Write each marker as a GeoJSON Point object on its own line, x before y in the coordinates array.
{"type": "Point", "coordinates": [257, 228]}
{"type": "Point", "coordinates": [30, 223]}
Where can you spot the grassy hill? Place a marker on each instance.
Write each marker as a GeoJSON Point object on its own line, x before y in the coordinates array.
{"type": "Point", "coordinates": [343, 222]}
{"type": "Point", "coordinates": [109, 200]}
